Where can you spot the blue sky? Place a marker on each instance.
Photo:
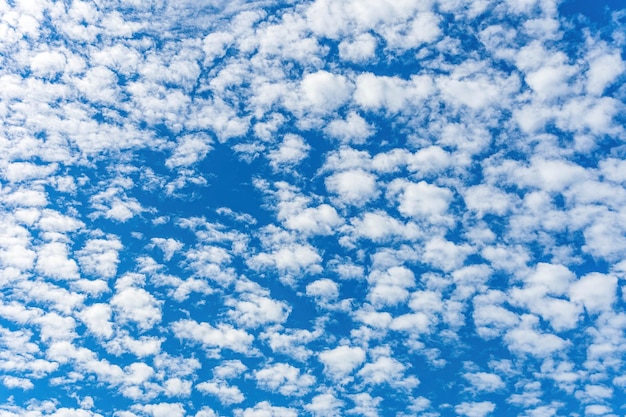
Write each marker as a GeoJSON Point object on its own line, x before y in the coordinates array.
{"type": "Point", "coordinates": [321, 208]}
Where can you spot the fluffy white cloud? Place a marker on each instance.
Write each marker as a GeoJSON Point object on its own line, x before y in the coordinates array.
{"type": "Point", "coordinates": [16, 382]}
{"type": "Point", "coordinates": [421, 200]}
{"type": "Point", "coordinates": [53, 261]}
{"type": "Point", "coordinates": [383, 370]}
{"type": "Point", "coordinates": [390, 93]}
{"type": "Point", "coordinates": [221, 336]}
{"type": "Point", "coordinates": [353, 186]}
{"type": "Point", "coordinates": [188, 150]}
{"type": "Point", "coordinates": [485, 199]}
{"type": "Point", "coordinates": [292, 150]}
{"type": "Point", "coordinates": [603, 70]}
{"type": "Point", "coordinates": [135, 304]}
{"type": "Point", "coordinates": [484, 382]}
{"type": "Point", "coordinates": [162, 409]}
{"type": "Point", "coordinates": [324, 405]}
{"type": "Point", "coordinates": [97, 317]}
{"type": "Point", "coordinates": [390, 287]}
{"type": "Point", "coordinates": [285, 379]}
{"type": "Point", "coordinates": [292, 259]}
{"type": "Point", "coordinates": [48, 63]}
{"type": "Point", "coordinates": [252, 310]}
{"type": "Point", "coordinates": [100, 257]}
{"type": "Point", "coordinates": [525, 339]}
{"type": "Point", "coordinates": [227, 394]}
{"type": "Point", "coordinates": [323, 91]}
{"type": "Point", "coordinates": [354, 129]}
{"type": "Point", "coordinates": [597, 292]}
{"type": "Point", "coordinates": [264, 408]}
{"type": "Point", "coordinates": [322, 220]}
{"type": "Point", "coordinates": [444, 254]}
{"type": "Point", "coordinates": [379, 226]}
{"type": "Point", "coordinates": [342, 360]}
{"type": "Point", "coordinates": [475, 409]}
{"type": "Point", "coordinates": [359, 49]}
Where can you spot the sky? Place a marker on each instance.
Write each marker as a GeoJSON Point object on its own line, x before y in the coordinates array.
{"type": "Point", "coordinates": [312, 208]}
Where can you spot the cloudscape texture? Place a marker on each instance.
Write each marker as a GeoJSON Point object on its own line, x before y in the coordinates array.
{"type": "Point", "coordinates": [312, 208]}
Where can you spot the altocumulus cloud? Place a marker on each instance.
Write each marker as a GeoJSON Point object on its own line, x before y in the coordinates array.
{"type": "Point", "coordinates": [324, 207]}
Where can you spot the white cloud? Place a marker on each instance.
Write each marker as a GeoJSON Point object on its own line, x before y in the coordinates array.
{"type": "Point", "coordinates": [429, 160]}
{"type": "Point", "coordinates": [444, 254]}
{"type": "Point", "coordinates": [27, 198]}
{"type": "Point", "coordinates": [485, 199]}
{"type": "Point", "coordinates": [422, 28]}
{"type": "Point", "coordinates": [353, 187]}
{"type": "Point", "coordinates": [221, 336]}
{"type": "Point", "coordinates": [342, 360]}
{"type": "Point", "coordinates": [264, 409]}
{"type": "Point", "coordinates": [365, 405]}
{"type": "Point", "coordinates": [525, 339]}
{"type": "Point", "coordinates": [383, 370]}
{"type": "Point", "coordinates": [252, 310]}
{"type": "Point", "coordinates": [597, 292]}
{"type": "Point", "coordinates": [100, 257]}
{"type": "Point", "coordinates": [324, 405]}
{"type": "Point", "coordinates": [475, 409]}
{"type": "Point", "coordinates": [292, 150]}
{"type": "Point", "coordinates": [189, 149]}
{"type": "Point", "coordinates": [354, 129]}
{"type": "Point", "coordinates": [141, 347]}
{"type": "Point", "coordinates": [508, 258]}
{"type": "Point", "coordinates": [421, 200]}
{"type": "Point", "coordinates": [325, 289]}
{"type": "Point", "coordinates": [113, 203]}
{"type": "Point", "coordinates": [134, 304]}
{"type": "Point", "coordinates": [597, 410]}
{"type": "Point", "coordinates": [229, 369]}
{"type": "Point", "coordinates": [12, 382]}
{"type": "Point", "coordinates": [48, 63]}
{"type": "Point", "coordinates": [292, 342]}
{"type": "Point", "coordinates": [22, 171]}
{"type": "Point", "coordinates": [553, 279]}
{"type": "Point", "coordinates": [476, 92]}
{"type": "Point", "coordinates": [53, 261]}
{"type": "Point", "coordinates": [322, 220]}
{"type": "Point", "coordinates": [215, 115]}
{"type": "Point", "coordinates": [375, 92]}
{"type": "Point", "coordinates": [551, 80]}
{"type": "Point", "coordinates": [379, 226]}
{"type": "Point", "coordinates": [490, 318]}
{"type": "Point", "coordinates": [360, 49]}
{"type": "Point", "coordinates": [53, 221]}
{"type": "Point", "coordinates": [292, 258]}
{"type": "Point", "coordinates": [323, 91]}
{"type": "Point", "coordinates": [549, 279]}
{"type": "Point", "coordinates": [215, 45]}
{"type": "Point", "coordinates": [390, 287]}
{"type": "Point", "coordinates": [161, 409]}
{"type": "Point", "coordinates": [285, 379]}
{"type": "Point", "coordinates": [100, 85]}
{"type": "Point", "coordinates": [176, 387]}
{"type": "Point", "coordinates": [15, 242]}
{"type": "Point", "coordinates": [484, 381]}
{"type": "Point", "coordinates": [169, 246]}
{"type": "Point", "coordinates": [97, 317]}
{"type": "Point", "coordinates": [603, 70]}
{"type": "Point", "coordinates": [227, 394]}
{"type": "Point", "coordinates": [551, 175]}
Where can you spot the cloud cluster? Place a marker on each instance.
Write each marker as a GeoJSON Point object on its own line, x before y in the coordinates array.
{"type": "Point", "coordinates": [262, 208]}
